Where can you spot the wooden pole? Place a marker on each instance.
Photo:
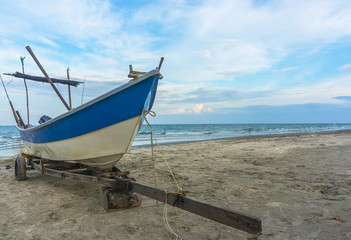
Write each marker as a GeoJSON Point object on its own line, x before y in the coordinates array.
{"type": "Point", "coordinates": [14, 114]}
{"type": "Point", "coordinates": [47, 77]}
{"type": "Point", "coordinates": [12, 108]}
{"type": "Point", "coordinates": [69, 90]}
{"type": "Point", "coordinates": [160, 65]}
{"type": "Point", "coordinates": [83, 91]}
{"type": "Point", "coordinates": [25, 84]}
{"type": "Point", "coordinates": [20, 120]}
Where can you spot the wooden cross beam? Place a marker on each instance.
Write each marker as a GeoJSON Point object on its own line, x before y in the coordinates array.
{"type": "Point", "coordinates": [225, 216]}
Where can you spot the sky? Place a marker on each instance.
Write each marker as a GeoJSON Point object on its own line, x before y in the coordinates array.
{"type": "Point", "coordinates": [226, 61]}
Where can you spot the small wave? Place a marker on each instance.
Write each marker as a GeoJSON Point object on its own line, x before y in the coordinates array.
{"type": "Point", "coordinates": [9, 137]}
{"type": "Point", "coordinates": [143, 133]}
{"type": "Point", "coordinates": [12, 146]}
{"type": "Point", "coordinates": [148, 133]}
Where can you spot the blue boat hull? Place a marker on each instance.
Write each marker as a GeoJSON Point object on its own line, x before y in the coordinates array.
{"type": "Point", "coordinates": [98, 132]}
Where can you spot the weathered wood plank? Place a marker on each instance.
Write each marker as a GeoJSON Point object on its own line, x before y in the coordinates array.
{"type": "Point", "coordinates": [81, 177]}
{"type": "Point", "coordinates": [225, 216]}
{"type": "Point", "coordinates": [76, 170]}
{"type": "Point", "coordinates": [228, 217]}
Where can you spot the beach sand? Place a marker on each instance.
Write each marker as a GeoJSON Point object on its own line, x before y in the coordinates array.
{"type": "Point", "coordinates": [297, 185]}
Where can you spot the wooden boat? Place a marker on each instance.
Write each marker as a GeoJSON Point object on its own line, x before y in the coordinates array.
{"type": "Point", "coordinates": [99, 132]}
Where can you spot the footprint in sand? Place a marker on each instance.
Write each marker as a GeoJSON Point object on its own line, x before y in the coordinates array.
{"type": "Point", "coordinates": [52, 216]}
{"type": "Point", "coordinates": [66, 205]}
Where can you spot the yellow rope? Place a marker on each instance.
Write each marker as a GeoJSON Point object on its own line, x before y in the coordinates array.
{"type": "Point", "coordinates": [180, 190]}
{"type": "Point", "coordinates": [153, 114]}
{"type": "Point", "coordinates": [165, 217]}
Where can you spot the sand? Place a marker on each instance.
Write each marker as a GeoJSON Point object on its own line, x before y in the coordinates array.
{"type": "Point", "coordinates": [300, 187]}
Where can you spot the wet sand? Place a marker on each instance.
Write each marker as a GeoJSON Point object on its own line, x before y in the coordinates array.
{"type": "Point", "coordinates": [299, 185]}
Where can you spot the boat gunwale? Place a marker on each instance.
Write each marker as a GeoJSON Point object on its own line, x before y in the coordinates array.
{"type": "Point", "coordinates": [93, 101]}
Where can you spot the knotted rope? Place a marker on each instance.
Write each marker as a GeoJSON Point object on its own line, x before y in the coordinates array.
{"type": "Point", "coordinates": [180, 190]}
{"type": "Point", "coordinates": [153, 114]}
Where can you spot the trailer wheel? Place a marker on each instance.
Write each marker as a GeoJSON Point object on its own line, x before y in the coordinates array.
{"type": "Point", "coordinates": [20, 168]}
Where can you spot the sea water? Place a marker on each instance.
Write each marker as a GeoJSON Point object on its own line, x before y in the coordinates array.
{"type": "Point", "coordinates": [173, 133]}
{"type": "Point", "coordinates": [11, 144]}
{"type": "Point", "coordinates": [10, 141]}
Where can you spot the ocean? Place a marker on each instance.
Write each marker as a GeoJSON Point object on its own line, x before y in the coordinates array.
{"type": "Point", "coordinates": [11, 144]}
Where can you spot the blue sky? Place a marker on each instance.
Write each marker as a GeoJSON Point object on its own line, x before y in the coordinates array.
{"type": "Point", "coordinates": [226, 61]}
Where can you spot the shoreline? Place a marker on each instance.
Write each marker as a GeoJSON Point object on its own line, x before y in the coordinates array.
{"type": "Point", "coordinates": [247, 137]}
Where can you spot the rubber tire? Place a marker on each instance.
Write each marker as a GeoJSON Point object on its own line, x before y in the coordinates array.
{"type": "Point", "coordinates": [20, 168]}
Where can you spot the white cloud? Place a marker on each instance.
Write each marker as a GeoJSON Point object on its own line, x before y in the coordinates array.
{"type": "Point", "coordinates": [203, 53]}
{"type": "Point", "coordinates": [47, 41]}
{"type": "Point", "coordinates": [276, 22]}
{"type": "Point", "coordinates": [197, 109]}
{"type": "Point", "coordinates": [220, 100]}
{"type": "Point", "coordinates": [345, 68]}
{"type": "Point", "coordinates": [216, 39]}
{"type": "Point", "coordinates": [180, 110]}
{"type": "Point", "coordinates": [224, 39]}
{"type": "Point", "coordinates": [283, 70]}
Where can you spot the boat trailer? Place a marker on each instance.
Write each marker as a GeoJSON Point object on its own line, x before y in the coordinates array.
{"type": "Point", "coordinates": [118, 191]}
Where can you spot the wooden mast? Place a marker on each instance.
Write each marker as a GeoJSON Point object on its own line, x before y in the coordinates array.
{"type": "Point", "coordinates": [25, 84]}
{"type": "Point", "coordinates": [69, 90]}
{"type": "Point", "coordinates": [47, 77]}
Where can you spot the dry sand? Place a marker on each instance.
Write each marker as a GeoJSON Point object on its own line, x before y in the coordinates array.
{"type": "Point", "coordinates": [297, 185]}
